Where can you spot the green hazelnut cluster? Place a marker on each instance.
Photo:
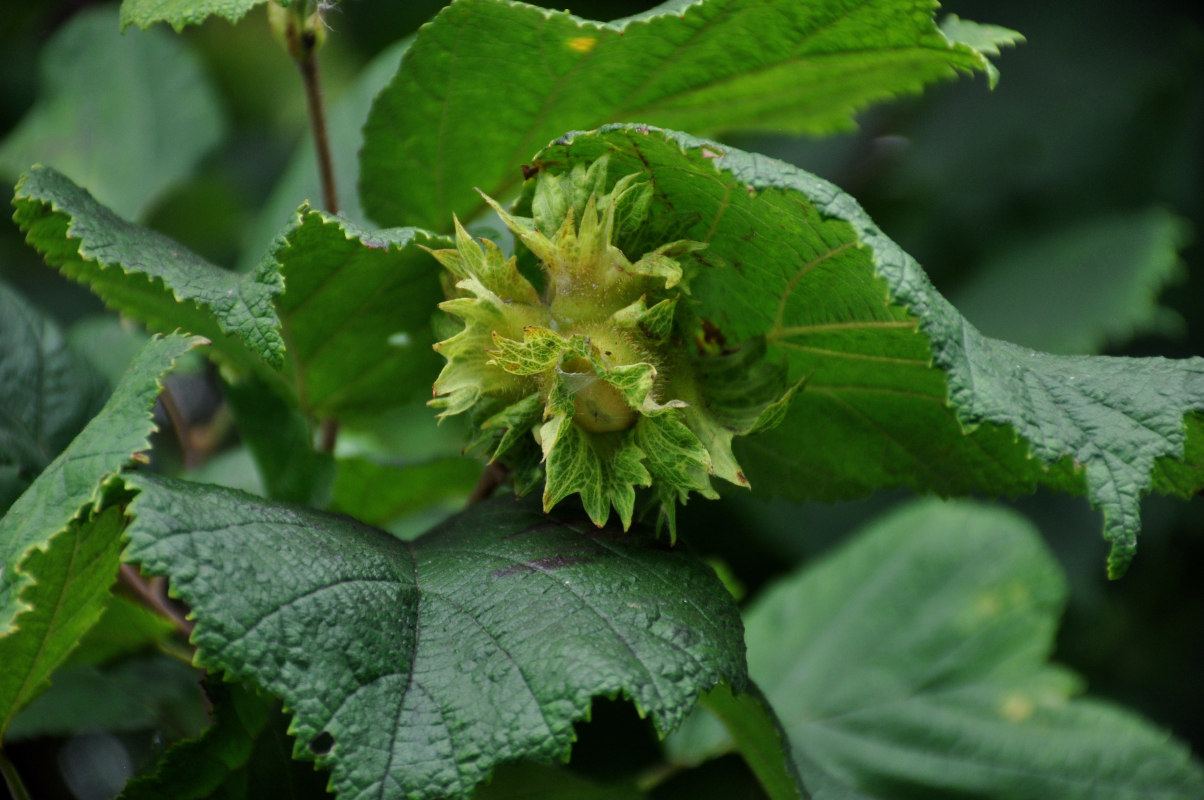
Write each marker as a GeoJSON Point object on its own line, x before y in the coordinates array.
{"type": "Point", "coordinates": [597, 381]}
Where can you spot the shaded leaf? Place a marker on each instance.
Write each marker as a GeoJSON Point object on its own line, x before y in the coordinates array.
{"type": "Point", "coordinates": [281, 442]}
{"type": "Point", "coordinates": [356, 311]}
{"type": "Point", "coordinates": [912, 662]}
{"type": "Point", "coordinates": [696, 66]}
{"type": "Point", "coordinates": [1077, 289]}
{"type": "Point", "coordinates": [125, 628]}
{"type": "Point", "coordinates": [50, 391]}
{"type": "Point", "coordinates": [412, 670]}
{"type": "Point", "coordinates": [149, 277]}
{"type": "Point", "coordinates": [156, 693]}
{"type": "Point", "coordinates": [68, 587]}
{"type": "Point", "coordinates": [539, 782]}
{"type": "Point", "coordinates": [752, 728]}
{"type": "Point", "coordinates": [378, 493]}
{"type": "Point", "coordinates": [73, 479]}
{"type": "Point", "coordinates": [900, 389]}
{"type": "Point", "coordinates": [244, 754]}
{"type": "Point", "coordinates": [128, 116]}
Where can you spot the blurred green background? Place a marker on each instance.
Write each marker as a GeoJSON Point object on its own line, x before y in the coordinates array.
{"type": "Point", "coordinates": [1064, 210]}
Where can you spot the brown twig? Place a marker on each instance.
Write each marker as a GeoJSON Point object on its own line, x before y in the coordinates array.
{"type": "Point", "coordinates": [303, 47]}
{"type": "Point", "coordinates": [137, 584]}
{"type": "Point", "coordinates": [179, 425]}
{"type": "Point", "coordinates": [493, 476]}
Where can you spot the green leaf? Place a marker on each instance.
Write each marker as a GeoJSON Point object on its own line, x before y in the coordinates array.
{"type": "Point", "coordinates": [125, 628]}
{"type": "Point", "coordinates": [181, 13]}
{"type": "Point", "coordinates": [68, 587]}
{"type": "Point", "coordinates": [911, 662]}
{"type": "Point", "coordinates": [128, 116]}
{"type": "Point", "coordinates": [429, 663]}
{"type": "Point", "coordinates": [900, 390]}
{"type": "Point", "coordinates": [356, 311]}
{"type": "Point", "coordinates": [378, 493]}
{"type": "Point", "coordinates": [50, 391]}
{"type": "Point", "coordinates": [244, 754]}
{"type": "Point", "coordinates": [141, 694]}
{"type": "Point", "coordinates": [73, 480]}
{"type": "Point", "coordinates": [1078, 289]}
{"type": "Point", "coordinates": [706, 66]}
{"type": "Point", "coordinates": [755, 732]}
{"type": "Point", "coordinates": [281, 441]}
{"type": "Point", "coordinates": [148, 276]}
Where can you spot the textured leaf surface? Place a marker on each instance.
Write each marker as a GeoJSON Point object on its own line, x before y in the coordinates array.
{"type": "Point", "coordinates": [900, 389]}
{"type": "Point", "coordinates": [127, 116]}
{"type": "Point", "coordinates": [148, 276]}
{"type": "Point", "coordinates": [1078, 289]}
{"type": "Point", "coordinates": [452, 120]}
{"type": "Point", "coordinates": [72, 480]}
{"type": "Point", "coordinates": [50, 391]}
{"type": "Point", "coordinates": [357, 310]}
{"type": "Point", "coordinates": [180, 13]}
{"type": "Point", "coordinates": [244, 754]}
{"type": "Point", "coordinates": [429, 663]}
{"type": "Point", "coordinates": [69, 588]}
{"type": "Point", "coordinates": [912, 662]}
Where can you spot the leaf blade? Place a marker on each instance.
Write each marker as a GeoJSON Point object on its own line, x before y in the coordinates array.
{"type": "Point", "coordinates": [691, 66]}
{"type": "Point", "coordinates": [423, 683]}
{"type": "Point", "coordinates": [900, 389]}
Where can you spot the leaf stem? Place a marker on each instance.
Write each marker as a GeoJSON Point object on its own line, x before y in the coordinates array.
{"type": "Point", "coordinates": [492, 477]}
{"type": "Point", "coordinates": [303, 36]}
{"type": "Point", "coordinates": [137, 584]}
{"type": "Point", "coordinates": [317, 121]}
{"type": "Point", "coordinates": [11, 779]}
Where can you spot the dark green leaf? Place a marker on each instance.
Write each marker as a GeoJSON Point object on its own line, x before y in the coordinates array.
{"type": "Point", "coordinates": [429, 663]}
{"type": "Point", "coordinates": [129, 116]}
{"type": "Point", "coordinates": [68, 587]}
{"type": "Point", "coordinates": [180, 13]}
{"type": "Point", "coordinates": [912, 663]}
{"type": "Point", "coordinates": [452, 120]}
{"type": "Point", "coordinates": [148, 276]}
{"type": "Point", "coordinates": [356, 310]}
{"type": "Point", "coordinates": [244, 754]}
{"type": "Point", "coordinates": [150, 693]}
{"type": "Point", "coordinates": [50, 392]}
{"type": "Point", "coordinates": [379, 493]}
{"type": "Point", "coordinates": [281, 441]}
{"type": "Point", "coordinates": [900, 389]}
{"type": "Point", "coordinates": [1077, 289]}
{"type": "Point", "coordinates": [73, 480]}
